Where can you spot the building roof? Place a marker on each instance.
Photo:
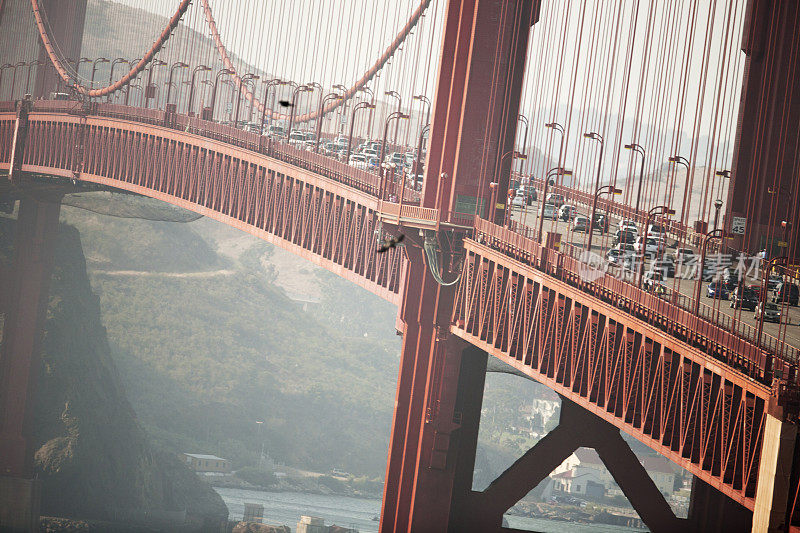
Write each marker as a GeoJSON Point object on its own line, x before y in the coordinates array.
{"type": "Point", "coordinates": [203, 456]}
{"type": "Point", "coordinates": [588, 455]}
{"type": "Point", "coordinates": [657, 464]}
{"type": "Point", "coordinates": [563, 475]}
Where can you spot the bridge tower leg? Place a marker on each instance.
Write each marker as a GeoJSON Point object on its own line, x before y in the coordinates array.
{"type": "Point", "coordinates": [440, 385]}
{"type": "Point", "coordinates": [764, 180]}
{"type": "Point", "coordinates": [25, 311]}
{"type": "Point", "coordinates": [778, 472]}
{"type": "Point", "coordinates": [439, 395]}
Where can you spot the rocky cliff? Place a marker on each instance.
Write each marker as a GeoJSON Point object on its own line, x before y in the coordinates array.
{"type": "Point", "coordinates": [93, 457]}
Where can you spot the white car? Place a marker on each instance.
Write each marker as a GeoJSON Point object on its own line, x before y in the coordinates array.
{"type": "Point", "coordinates": [657, 232]}
{"type": "Point", "coordinates": [652, 246]}
{"type": "Point", "coordinates": [550, 211]}
{"type": "Point", "coordinates": [628, 225]}
{"type": "Point", "coordinates": [358, 161]}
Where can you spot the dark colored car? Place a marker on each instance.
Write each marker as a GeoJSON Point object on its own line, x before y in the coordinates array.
{"type": "Point", "coordinates": [627, 237]}
{"type": "Point", "coordinates": [716, 289]}
{"type": "Point", "coordinates": [666, 266]}
{"type": "Point", "coordinates": [772, 313]}
{"type": "Point", "coordinates": [744, 297]}
{"type": "Point", "coordinates": [786, 292]}
{"type": "Point", "coordinates": [600, 222]}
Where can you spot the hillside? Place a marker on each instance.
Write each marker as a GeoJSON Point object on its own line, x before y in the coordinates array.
{"type": "Point", "coordinates": [91, 453]}
{"type": "Point", "coordinates": [249, 332]}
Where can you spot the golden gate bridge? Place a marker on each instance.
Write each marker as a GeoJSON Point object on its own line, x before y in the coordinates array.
{"type": "Point", "coordinates": [656, 113]}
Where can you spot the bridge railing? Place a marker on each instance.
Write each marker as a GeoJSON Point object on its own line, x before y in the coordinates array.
{"type": "Point", "coordinates": [723, 339]}
{"type": "Point", "coordinates": [329, 167]}
{"type": "Point", "coordinates": [678, 230]}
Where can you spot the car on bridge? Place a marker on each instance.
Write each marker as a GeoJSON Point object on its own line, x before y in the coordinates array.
{"type": "Point", "coordinates": [771, 312]}
{"type": "Point", "coordinates": [600, 222]}
{"type": "Point", "coordinates": [652, 246]}
{"type": "Point", "coordinates": [651, 278]}
{"type": "Point", "coordinates": [276, 131]}
{"type": "Point", "coordinates": [628, 225]}
{"type": "Point", "coordinates": [555, 198]}
{"type": "Point", "coordinates": [786, 292]}
{"type": "Point", "coordinates": [624, 236]}
{"type": "Point", "coordinates": [580, 223]}
{"type": "Point", "coordinates": [550, 211]}
{"type": "Point", "coordinates": [566, 212]}
{"type": "Point", "coordinates": [615, 256]}
{"type": "Point", "coordinates": [664, 265]}
{"type": "Point", "coordinates": [358, 161]}
{"type": "Point", "coordinates": [657, 232]}
{"type": "Point", "coordinates": [744, 297]}
{"type": "Point", "coordinates": [716, 289]}
{"type": "Point", "coordinates": [684, 256]}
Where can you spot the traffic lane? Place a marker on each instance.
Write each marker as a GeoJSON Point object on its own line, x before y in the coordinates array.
{"type": "Point", "coordinates": [788, 328]}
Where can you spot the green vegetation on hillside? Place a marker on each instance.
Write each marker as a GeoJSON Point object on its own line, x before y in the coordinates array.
{"type": "Point", "coordinates": [205, 357]}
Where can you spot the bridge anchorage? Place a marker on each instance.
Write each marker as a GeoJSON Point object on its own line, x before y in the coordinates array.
{"type": "Point", "coordinates": [472, 279]}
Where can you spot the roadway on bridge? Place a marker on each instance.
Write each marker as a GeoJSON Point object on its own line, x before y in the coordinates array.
{"type": "Point", "coordinates": [601, 243]}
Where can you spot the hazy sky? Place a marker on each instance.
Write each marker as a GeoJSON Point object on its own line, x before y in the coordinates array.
{"type": "Point", "coordinates": [663, 73]}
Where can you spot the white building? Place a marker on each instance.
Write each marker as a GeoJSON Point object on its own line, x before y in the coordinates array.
{"type": "Point", "coordinates": [583, 473]}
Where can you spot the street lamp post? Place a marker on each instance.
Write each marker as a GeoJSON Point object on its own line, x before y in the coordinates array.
{"type": "Point", "coordinates": [397, 115]}
{"type": "Point", "coordinates": [14, 76]}
{"type": "Point", "coordinates": [177, 64]}
{"type": "Point", "coordinates": [713, 234]}
{"type": "Point", "coordinates": [685, 162]}
{"type": "Point", "coordinates": [717, 207]}
{"type": "Point", "coordinates": [425, 130]}
{"type": "Point", "coordinates": [199, 68]}
{"type": "Point", "coordinates": [359, 105]}
{"type": "Point", "coordinates": [599, 138]}
{"type": "Point", "coordinates": [639, 150]}
{"type": "Point", "coordinates": [298, 89]}
{"type": "Point", "coordinates": [222, 72]}
{"type": "Point", "coordinates": [559, 128]}
{"type": "Point", "coordinates": [155, 63]}
{"type": "Point", "coordinates": [35, 62]}
{"type": "Point", "coordinates": [366, 89]}
{"type": "Point", "coordinates": [94, 69]}
{"type": "Point", "coordinates": [522, 118]}
{"type": "Point", "coordinates": [604, 189]}
{"type": "Point", "coordinates": [81, 61]}
{"type": "Point", "coordinates": [244, 79]}
{"type": "Point", "coordinates": [131, 86]}
{"type": "Point", "coordinates": [557, 171]}
{"type": "Point", "coordinates": [111, 73]}
{"type": "Point", "coordinates": [493, 200]}
{"type": "Point", "coordinates": [395, 94]}
{"type": "Point", "coordinates": [314, 85]}
{"type": "Point", "coordinates": [329, 96]}
{"type": "Point", "coordinates": [514, 155]}
{"type": "Point", "coordinates": [268, 84]}
{"type": "Point", "coordinates": [656, 211]}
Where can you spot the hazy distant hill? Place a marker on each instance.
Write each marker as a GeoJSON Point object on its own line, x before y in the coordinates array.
{"type": "Point", "coordinates": [92, 456]}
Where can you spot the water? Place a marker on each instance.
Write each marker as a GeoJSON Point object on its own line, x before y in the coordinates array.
{"type": "Point", "coordinates": [285, 508]}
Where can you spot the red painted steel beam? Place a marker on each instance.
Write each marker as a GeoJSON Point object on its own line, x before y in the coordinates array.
{"type": "Point", "coordinates": [476, 104]}
{"type": "Point", "coordinates": [134, 157]}
{"type": "Point", "coordinates": [36, 230]}
{"type": "Point", "coordinates": [763, 182]}
{"type": "Point", "coordinates": [694, 410]}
